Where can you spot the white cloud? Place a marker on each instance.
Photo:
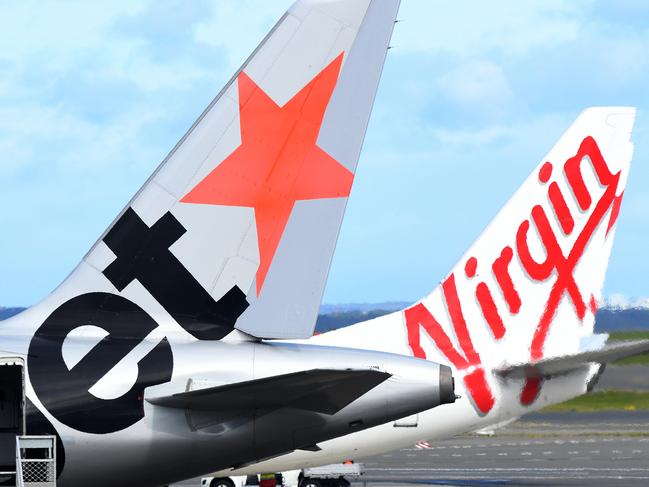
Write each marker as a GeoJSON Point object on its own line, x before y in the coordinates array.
{"type": "Point", "coordinates": [53, 39]}
{"type": "Point", "coordinates": [58, 33]}
{"type": "Point", "coordinates": [520, 141]}
{"type": "Point", "coordinates": [624, 55]}
{"type": "Point", "coordinates": [75, 143]}
{"type": "Point", "coordinates": [155, 76]}
{"type": "Point", "coordinates": [475, 138]}
{"type": "Point", "coordinates": [617, 301]}
{"type": "Point", "coordinates": [480, 85]}
{"type": "Point", "coordinates": [621, 301]}
{"type": "Point", "coordinates": [219, 30]}
{"type": "Point", "coordinates": [465, 26]}
{"type": "Point", "coordinates": [641, 303]}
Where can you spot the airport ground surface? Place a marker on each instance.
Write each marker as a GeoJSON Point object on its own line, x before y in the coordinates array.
{"type": "Point", "coordinates": [571, 449]}
{"type": "Point", "coordinates": [625, 378]}
{"type": "Point", "coordinates": [608, 448]}
{"type": "Point", "coordinates": [543, 449]}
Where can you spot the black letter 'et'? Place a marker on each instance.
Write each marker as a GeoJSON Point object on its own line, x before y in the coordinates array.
{"type": "Point", "coordinates": [143, 254]}
{"type": "Point", "coordinates": [65, 392]}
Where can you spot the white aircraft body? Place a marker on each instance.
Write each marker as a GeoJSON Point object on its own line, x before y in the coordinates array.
{"type": "Point", "coordinates": [515, 317]}
{"type": "Point", "coordinates": [150, 362]}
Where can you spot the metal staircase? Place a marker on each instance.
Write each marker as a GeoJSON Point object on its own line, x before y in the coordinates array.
{"type": "Point", "coordinates": [35, 461]}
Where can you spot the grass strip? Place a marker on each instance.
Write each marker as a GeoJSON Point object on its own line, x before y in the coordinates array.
{"type": "Point", "coordinates": [628, 335]}
{"type": "Point", "coordinates": [604, 401]}
{"type": "Point", "coordinates": [631, 335]}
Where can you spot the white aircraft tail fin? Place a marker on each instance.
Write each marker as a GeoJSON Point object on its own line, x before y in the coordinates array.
{"type": "Point", "coordinates": [238, 225]}
{"type": "Point", "coordinates": [528, 288]}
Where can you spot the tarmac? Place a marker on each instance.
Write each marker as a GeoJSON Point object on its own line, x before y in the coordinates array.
{"type": "Point", "coordinates": [598, 449]}
{"type": "Point", "coordinates": [558, 449]}
{"type": "Point", "coordinates": [625, 378]}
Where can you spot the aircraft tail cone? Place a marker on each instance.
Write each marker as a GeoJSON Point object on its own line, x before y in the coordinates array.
{"type": "Point", "coordinates": [446, 385]}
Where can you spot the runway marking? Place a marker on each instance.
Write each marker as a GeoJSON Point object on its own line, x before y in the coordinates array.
{"type": "Point", "coordinates": [514, 469]}
{"type": "Point", "coordinates": [541, 478]}
{"type": "Point", "coordinates": [547, 453]}
{"type": "Point", "coordinates": [526, 453]}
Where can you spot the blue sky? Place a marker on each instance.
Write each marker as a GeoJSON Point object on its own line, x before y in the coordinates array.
{"type": "Point", "coordinates": [94, 94]}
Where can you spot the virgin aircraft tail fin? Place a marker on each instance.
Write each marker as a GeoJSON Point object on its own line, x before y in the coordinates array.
{"type": "Point", "coordinates": [237, 226]}
{"type": "Point", "coordinates": [528, 288]}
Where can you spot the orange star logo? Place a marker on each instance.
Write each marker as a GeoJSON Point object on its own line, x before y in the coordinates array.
{"type": "Point", "coordinates": [278, 161]}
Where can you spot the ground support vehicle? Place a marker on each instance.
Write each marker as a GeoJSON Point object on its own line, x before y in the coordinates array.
{"type": "Point", "coordinates": [336, 475]}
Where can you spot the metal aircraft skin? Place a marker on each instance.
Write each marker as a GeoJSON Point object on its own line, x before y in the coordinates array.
{"type": "Point", "coordinates": [515, 317]}
{"type": "Point", "coordinates": [148, 362]}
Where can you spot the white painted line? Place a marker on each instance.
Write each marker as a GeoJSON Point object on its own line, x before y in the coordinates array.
{"type": "Point", "coordinates": [621, 470]}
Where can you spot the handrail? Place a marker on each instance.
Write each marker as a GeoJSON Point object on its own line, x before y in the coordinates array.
{"type": "Point", "coordinates": [37, 471]}
{"type": "Point", "coordinates": [19, 465]}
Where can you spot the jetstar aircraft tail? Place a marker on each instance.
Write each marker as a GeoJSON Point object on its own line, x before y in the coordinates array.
{"type": "Point", "coordinates": [237, 226]}
{"type": "Point", "coordinates": [528, 288]}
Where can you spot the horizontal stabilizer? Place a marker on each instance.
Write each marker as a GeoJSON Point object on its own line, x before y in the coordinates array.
{"type": "Point", "coordinates": [324, 391]}
{"type": "Point", "coordinates": [567, 363]}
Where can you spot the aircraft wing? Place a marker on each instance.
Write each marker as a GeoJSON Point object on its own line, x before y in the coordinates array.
{"type": "Point", "coordinates": [324, 391]}
{"type": "Point", "coordinates": [561, 365]}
